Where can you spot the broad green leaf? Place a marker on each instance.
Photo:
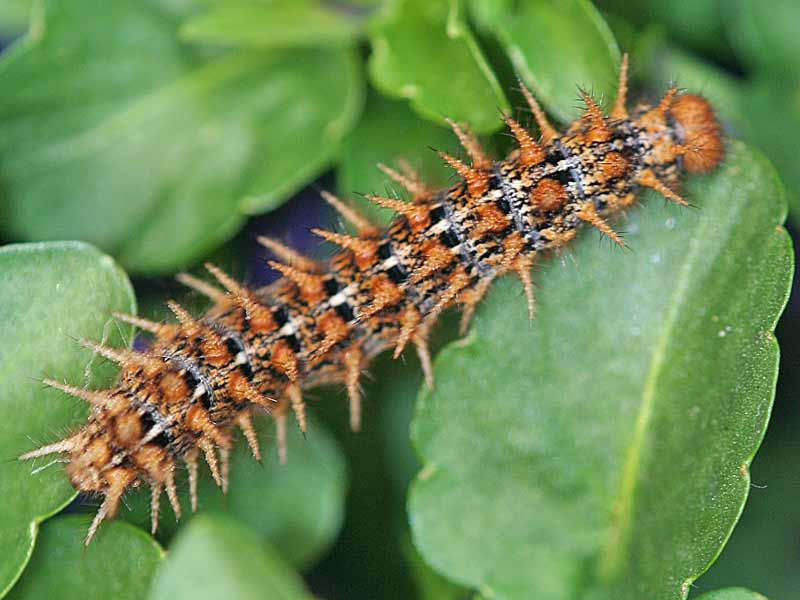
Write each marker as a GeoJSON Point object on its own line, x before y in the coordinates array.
{"type": "Point", "coordinates": [50, 295]}
{"type": "Point", "coordinates": [765, 34]}
{"type": "Point", "coordinates": [151, 155]}
{"type": "Point", "coordinates": [423, 50]}
{"type": "Point", "coordinates": [120, 562]}
{"type": "Point", "coordinates": [298, 507]}
{"type": "Point", "coordinates": [276, 24]}
{"type": "Point", "coordinates": [608, 445]}
{"type": "Point", "coordinates": [732, 594]}
{"type": "Point", "coordinates": [389, 131]}
{"type": "Point", "coordinates": [215, 557]}
{"type": "Point", "coordinates": [556, 45]}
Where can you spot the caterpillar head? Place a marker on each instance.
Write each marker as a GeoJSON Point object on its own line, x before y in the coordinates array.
{"type": "Point", "coordinates": [700, 131]}
{"type": "Point", "coordinates": [680, 127]}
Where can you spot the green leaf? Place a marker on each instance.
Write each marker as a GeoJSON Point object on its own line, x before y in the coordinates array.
{"type": "Point", "coordinates": [696, 23]}
{"type": "Point", "coordinates": [147, 153]}
{"type": "Point", "coordinates": [50, 295]}
{"type": "Point", "coordinates": [773, 110]}
{"type": "Point", "coordinates": [423, 50]}
{"type": "Point", "coordinates": [429, 584]}
{"type": "Point", "coordinates": [486, 13]}
{"type": "Point", "coordinates": [321, 100]}
{"type": "Point", "coordinates": [764, 33]}
{"type": "Point", "coordinates": [298, 508]}
{"type": "Point", "coordinates": [607, 446]}
{"type": "Point", "coordinates": [214, 558]}
{"type": "Point", "coordinates": [732, 594]}
{"type": "Point", "coordinates": [14, 15]}
{"type": "Point", "coordinates": [554, 46]}
{"type": "Point", "coordinates": [120, 562]}
{"type": "Point", "coordinates": [390, 131]}
{"type": "Point", "coordinates": [277, 24]}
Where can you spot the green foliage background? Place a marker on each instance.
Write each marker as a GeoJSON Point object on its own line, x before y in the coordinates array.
{"type": "Point", "coordinates": [604, 452]}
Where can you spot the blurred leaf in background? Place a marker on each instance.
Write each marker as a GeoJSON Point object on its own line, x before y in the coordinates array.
{"type": "Point", "coordinates": [425, 51]}
{"type": "Point", "coordinates": [766, 37]}
{"type": "Point", "coordinates": [732, 594]}
{"type": "Point", "coordinates": [697, 24]}
{"type": "Point", "coordinates": [557, 49]}
{"type": "Point", "coordinates": [120, 563]}
{"type": "Point", "coordinates": [138, 146]}
{"type": "Point", "coordinates": [215, 558]}
{"type": "Point", "coordinates": [388, 132]}
{"type": "Point", "coordinates": [278, 24]}
{"type": "Point", "coordinates": [14, 16]}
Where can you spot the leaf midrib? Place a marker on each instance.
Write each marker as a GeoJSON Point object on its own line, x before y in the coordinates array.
{"type": "Point", "coordinates": [612, 554]}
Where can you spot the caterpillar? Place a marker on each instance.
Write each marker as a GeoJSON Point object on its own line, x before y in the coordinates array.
{"type": "Point", "coordinates": [258, 349]}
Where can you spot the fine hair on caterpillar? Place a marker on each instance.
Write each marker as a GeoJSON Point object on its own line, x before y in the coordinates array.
{"type": "Point", "coordinates": [259, 349]}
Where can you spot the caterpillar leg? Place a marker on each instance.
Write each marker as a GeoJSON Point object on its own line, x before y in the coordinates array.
{"type": "Point", "coordinates": [589, 215]}
{"type": "Point", "coordinates": [522, 266]}
{"type": "Point", "coordinates": [470, 300]}
{"type": "Point", "coordinates": [155, 496]}
{"type": "Point", "coordinates": [352, 364]}
{"type": "Point", "coordinates": [118, 481]}
{"type": "Point", "coordinates": [420, 339]}
{"type": "Point", "coordinates": [191, 465]}
{"type": "Point", "coordinates": [245, 423]}
{"type": "Point", "coordinates": [648, 179]}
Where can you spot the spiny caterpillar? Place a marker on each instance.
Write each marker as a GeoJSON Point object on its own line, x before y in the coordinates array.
{"type": "Point", "coordinates": [257, 349]}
